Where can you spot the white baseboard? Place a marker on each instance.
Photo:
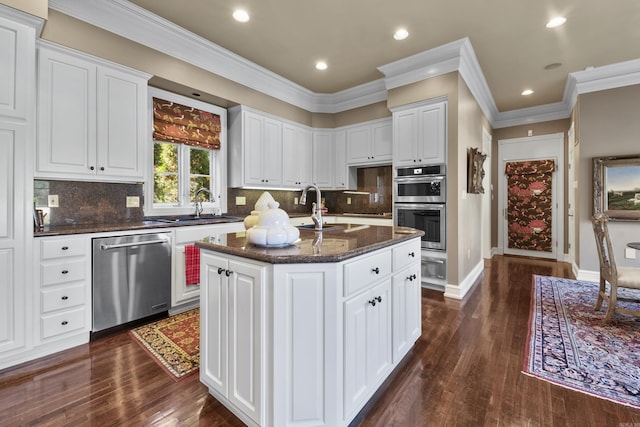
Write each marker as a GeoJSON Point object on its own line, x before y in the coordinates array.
{"type": "Point", "coordinates": [459, 291]}
{"type": "Point", "coordinates": [588, 275]}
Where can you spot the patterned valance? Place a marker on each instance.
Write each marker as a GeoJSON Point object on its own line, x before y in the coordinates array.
{"type": "Point", "coordinates": [530, 167]}
{"type": "Point", "coordinates": [178, 123]}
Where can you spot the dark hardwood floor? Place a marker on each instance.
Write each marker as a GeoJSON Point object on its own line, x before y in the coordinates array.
{"type": "Point", "coordinates": [465, 370]}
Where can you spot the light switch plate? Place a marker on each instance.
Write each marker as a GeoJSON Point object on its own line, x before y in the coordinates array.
{"type": "Point", "coordinates": [133, 201]}
{"type": "Point", "coordinates": [629, 253]}
{"type": "Point", "coordinates": [53, 201]}
{"type": "Point", "coordinates": [241, 201]}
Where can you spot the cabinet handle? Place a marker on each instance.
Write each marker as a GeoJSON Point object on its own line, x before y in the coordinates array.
{"type": "Point", "coordinates": [64, 248]}
{"type": "Point", "coordinates": [92, 168]}
{"type": "Point", "coordinates": [220, 270]}
{"type": "Point", "coordinates": [373, 301]}
{"type": "Point", "coordinates": [412, 254]}
{"type": "Point", "coordinates": [228, 273]}
{"type": "Point", "coordinates": [65, 271]}
{"type": "Point", "coordinates": [64, 323]}
{"type": "Point", "coordinates": [376, 270]}
{"type": "Point", "coordinates": [64, 298]}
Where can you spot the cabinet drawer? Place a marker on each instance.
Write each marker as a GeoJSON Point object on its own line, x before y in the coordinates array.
{"type": "Point", "coordinates": [361, 273]}
{"type": "Point", "coordinates": [61, 298]}
{"type": "Point", "coordinates": [62, 323]}
{"type": "Point", "coordinates": [406, 254]}
{"type": "Point", "coordinates": [62, 272]}
{"type": "Point", "coordinates": [60, 248]}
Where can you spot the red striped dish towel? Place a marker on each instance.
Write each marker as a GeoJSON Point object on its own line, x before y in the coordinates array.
{"type": "Point", "coordinates": [192, 264]}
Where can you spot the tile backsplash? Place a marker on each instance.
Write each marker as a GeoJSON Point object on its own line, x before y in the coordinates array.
{"type": "Point", "coordinates": [83, 202]}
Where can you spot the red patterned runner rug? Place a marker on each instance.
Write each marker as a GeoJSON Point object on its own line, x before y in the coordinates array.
{"type": "Point", "coordinates": [569, 344]}
{"type": "Point", "coordinates": [174, 343]}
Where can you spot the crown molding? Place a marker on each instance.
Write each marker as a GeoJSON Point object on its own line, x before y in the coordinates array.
{"type": "Point", "coordinates": [134, 23]}
{"type": "Point", "coordinates": [23, 18]}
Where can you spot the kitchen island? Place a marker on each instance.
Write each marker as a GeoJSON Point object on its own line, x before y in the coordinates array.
{"type": "Point", "coordinates": [305, 334]}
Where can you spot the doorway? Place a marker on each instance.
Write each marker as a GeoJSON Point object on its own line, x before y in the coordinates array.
{"type": "Point", "coordinates": [531, 196]}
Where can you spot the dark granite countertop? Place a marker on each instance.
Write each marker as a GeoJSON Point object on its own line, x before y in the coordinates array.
{"type": "Point", "coordinates": [147, 224]}
{"type": "Point", "coordinates": [333, 245]}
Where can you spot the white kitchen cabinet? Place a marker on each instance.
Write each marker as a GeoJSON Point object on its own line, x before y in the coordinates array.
{"type": "Point", "coordinates": [63, 305]}
{"type": "Point", "coordinates": [183, 296]}
{"type": "Point", "coordinates": [406, 298]}
{"type": "Point", "coordinates": [91, 117]}
{"type": "Point", "coordinates": [297, 156]}
{"type": "Point", "coordinates": [17, 130]}
{"type": "Point", "coordinates": [255, 140]}
{"type": "Point", "coordinates": [232, 330]}
{"type": "Point", "coordinates": [369, 143]}
{"type": "Point", "coordinates": [323, 166]}
{"type": "Point", "coordinates": [419, 135]}
{"type": "Point", "coordinates": [341, 173]}
{"type": "Point", "coordinates": [367, 344]}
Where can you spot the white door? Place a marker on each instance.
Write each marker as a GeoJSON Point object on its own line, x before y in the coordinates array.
{"type": "Point", "coordinates": [526, 149]}
{"type": "Point", "coordinates": [571, 197]}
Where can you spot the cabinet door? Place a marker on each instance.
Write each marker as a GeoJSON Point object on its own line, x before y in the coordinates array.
{"type": "Point", "coordinates": [381, 142]}
{"type": "Point", "coordinates": [16, 50]}
{"type": "Point", "coordinates": [66, 114]}
{"type": "Point", "coordinates": [432, 133]}
{"type": "Point", "coordinates": [405, 137]}
{"type": "Point", "coordinates": [13, 235]}
{"type": "Point", "coordinates": [120, 124]}
{"type": "Point", "coordinates": [359, 145]}
{"type": "Point", "coordinates": [252, 134]}
{"type": "Point", "coordinates": [213, 323]}
{"type": "Point", "coordinates": [272, 152]}
{"type": "Point", "coordinates": [323, 159]}
{"type": "Point", "coordinates": [296, 156]}
{"type": "Point", "coordinates": [355, 352]}
{"type": "Point", "coordinates": [379, 333]}
{"type": "Point", "coordinates": [341, 172]}
{"type": "Point", "coordinates": [245, 332]}
{"type": "Point", "coordinates": [406, 320]}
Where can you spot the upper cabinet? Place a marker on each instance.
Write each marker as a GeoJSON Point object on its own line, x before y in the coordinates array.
{"type": "Point", "coordinates": [16, 46]}
{"type": "Point", "coordinates": [255, 142]}
{"type": "Point", "coordinates": [92, 120]}
{"type": "Point", "coordinates": [419, 134]}
{"type": "Point", "coordinates": [369, 143]}
{"type": "Point", "coordinates": [323, 172]}
{"type": "Point", "coordinates": [296, 155]}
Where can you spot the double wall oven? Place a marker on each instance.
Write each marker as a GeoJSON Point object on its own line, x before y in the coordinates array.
{"type": "Point", "coordinates": [420, 202]}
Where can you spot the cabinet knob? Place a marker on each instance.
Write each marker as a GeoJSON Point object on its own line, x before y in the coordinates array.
{"type": "Point", "coordinates": [102, 168]}
{"type": "Point", "coordinates": [412, 277]}
{"type": "Point", "coordinates": [64, 248]}
{"type": "Point", "coordinates": [65, 271]}
{"type": "Point", "coordinates": [373, 301]}
{"type": "Point", "coordinates": [412, 254]}
{"type": "Point", "coordinates": [220, 270]}
{"type": "Point", "coordinates": [92, 168]}
{"type": "Point", "coordinates": [228, 273]}
{"type": "Point", "coordinates": [376, 270]}
{"type": "Point", "coordinates": [64, 298]}
{"type": "Point", "coordinates": [64, 323]}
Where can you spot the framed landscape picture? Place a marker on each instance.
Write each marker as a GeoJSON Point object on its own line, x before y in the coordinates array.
{"type": "Point", "coordinates": [616, 187]}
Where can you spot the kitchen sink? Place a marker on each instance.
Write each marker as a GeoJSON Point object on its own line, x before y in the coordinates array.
{"type": "Point", "coordinates": [325, 227]}
{"type": "Point", "coordinates": [192, 218]}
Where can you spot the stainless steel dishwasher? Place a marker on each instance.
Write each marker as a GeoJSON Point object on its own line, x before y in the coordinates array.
{"type": "Point", "coordinates": [131, 278]}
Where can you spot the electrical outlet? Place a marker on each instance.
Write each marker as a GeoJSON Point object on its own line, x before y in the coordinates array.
{"type": "Point", "coordinates": [133, 201]}
{"type": "Point", "coordinates": [629, 253]}
{"type": "Point", "coordinates": [53, 201]}
{"type": "Point", "coordinates": [241, 201]}
{"type": "Point", "coordinates": [348, 200]}
{"type": "Point", "coordinates": [295, 200]}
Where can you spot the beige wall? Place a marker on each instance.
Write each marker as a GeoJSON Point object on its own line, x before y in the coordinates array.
{"type": "Point", "coordinates": [608, 126]}
{"type": "Point", "coordinates": [37, 8]}
{"type": "Point", "coordinates": [544, 128]}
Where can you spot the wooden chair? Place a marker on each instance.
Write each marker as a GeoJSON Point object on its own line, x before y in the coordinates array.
{"type": "Point", "coordinates": [618, 277]}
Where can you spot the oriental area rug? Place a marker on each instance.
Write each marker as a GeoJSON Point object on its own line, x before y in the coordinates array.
{"type": "Point", "coordinates": [570, 345]}
{"type": "Point", "coordinates": [174, 343]}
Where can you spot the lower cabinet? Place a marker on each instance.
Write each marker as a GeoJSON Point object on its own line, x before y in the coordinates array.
{"type": "Point", "coordinates": [232, 333]}
{"type": "Point", "coordinates": [367, 344]}
{"type": "Point", "coordinates": [296, 344]}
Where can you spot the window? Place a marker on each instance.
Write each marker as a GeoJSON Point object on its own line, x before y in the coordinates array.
{"type": "Point", "coordinates": [180, 167]}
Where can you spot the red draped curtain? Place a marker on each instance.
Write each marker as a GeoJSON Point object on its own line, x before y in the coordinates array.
{"type": "Point", "coordinates": [173, 122]}
{"type": "Point", "coordinates": [529, 204]}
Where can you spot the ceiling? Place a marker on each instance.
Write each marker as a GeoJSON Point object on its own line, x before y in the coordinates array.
{"type": "Point", "coordinates": [354, 37]}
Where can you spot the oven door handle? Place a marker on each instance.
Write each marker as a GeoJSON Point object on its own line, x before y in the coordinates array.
{"type": "Point", "coordinates": [414, 179]}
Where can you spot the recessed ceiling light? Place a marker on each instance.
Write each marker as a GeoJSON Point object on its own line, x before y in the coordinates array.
{"type": "Point", "coordinates": [526, 92]}
{"type": "Point", "coordinates": [241, 15]}
{"type": "Point", "coordinates": [556, 22]}
{"type": "Point", "coordinates": [401, 34]}
{"type": "Point", "coordinates": [321, 65]}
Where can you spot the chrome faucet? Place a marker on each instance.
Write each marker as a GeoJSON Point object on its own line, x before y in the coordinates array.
{"type": "Point", "coordinates": [316, 207]}
{"type": "Point", "coordinates": [199, 209]}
